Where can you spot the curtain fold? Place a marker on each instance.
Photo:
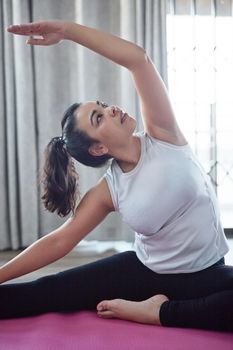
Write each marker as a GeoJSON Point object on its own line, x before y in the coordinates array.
{"type": "Point", "coordinates": [19, 174]}
{"type": "Point", "coordinates": [5, 240]}
{"type": "Point", "coordinates": [39, 83]}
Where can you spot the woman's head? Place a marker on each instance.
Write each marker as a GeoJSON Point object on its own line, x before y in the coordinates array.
{"type": "Point", "coordinates": [77, 141]}
{"type": "Point", "coordinates": [109, 126]}
{"type": "Point", "coordinates": [90, 133]}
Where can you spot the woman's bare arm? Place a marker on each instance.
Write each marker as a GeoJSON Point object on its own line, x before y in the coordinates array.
{"type": "Point", "coordinates": [158, 116]}
{"type": "Point", "coordinates": [110, 46]}
{"type": "Point", "coordinates": [93, 208]}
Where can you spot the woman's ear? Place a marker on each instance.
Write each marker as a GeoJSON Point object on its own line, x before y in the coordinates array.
{"type": "Point", "coordinates": [98, 149]}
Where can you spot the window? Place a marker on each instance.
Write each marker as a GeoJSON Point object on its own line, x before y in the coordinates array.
{"type": "Point", "coordinates": [200, 82]}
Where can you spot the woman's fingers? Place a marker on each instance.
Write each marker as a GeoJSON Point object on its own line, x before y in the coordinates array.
{"type": "Point", "coordinates": [49, 39]}
{"type": "Point", "coordinates": [34, 41]}
{"type": "Point", "coordinates": [40, 33]}
{"type": "Point", "coordinates": [37, 28]}
{"type": "Point", "coordinates": [25, 29]}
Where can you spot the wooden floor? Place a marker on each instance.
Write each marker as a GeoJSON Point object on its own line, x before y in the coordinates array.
{"type": "Point", "coordinates": [74, 259]}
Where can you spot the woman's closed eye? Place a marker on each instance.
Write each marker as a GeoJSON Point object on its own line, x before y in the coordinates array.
{"type": "Point", "coordinates": [99, 118]}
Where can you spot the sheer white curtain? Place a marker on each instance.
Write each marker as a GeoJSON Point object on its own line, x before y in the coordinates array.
{"type": "Point", "coordinates": [39, 83]}
{"type": "Point", "coordinates": [200, 70]}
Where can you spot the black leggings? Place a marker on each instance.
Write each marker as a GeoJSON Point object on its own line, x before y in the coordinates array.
{"type": "Point", "coordinates": [198, 300]}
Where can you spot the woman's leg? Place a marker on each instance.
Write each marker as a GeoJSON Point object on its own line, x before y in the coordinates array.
{"type": "Point", "coordinates": [214, 312]}
{"type": "Point", "coordinates": [198, 300]}
{"type": "Point", "coordinates": [120, 276]}
{"type": "Point", "coordinates": [81, 288]}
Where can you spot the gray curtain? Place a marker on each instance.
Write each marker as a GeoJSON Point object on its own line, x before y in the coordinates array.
{"type": "Point", "coordinates": [39, 83]}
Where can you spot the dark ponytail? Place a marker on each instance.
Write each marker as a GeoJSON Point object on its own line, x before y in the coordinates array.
{"type": "Point", "coordinates": [59, 177]}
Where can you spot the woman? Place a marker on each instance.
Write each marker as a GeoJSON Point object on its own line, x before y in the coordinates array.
{"type": "Point", "coordinates": [176, 276]}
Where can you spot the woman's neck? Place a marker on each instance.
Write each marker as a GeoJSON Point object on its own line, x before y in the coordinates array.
{"type": "Point", "coordinates": [129, 156]}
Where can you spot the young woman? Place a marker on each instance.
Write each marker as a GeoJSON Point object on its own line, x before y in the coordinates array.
{"type": "Point", "coordinates": [176, 276]}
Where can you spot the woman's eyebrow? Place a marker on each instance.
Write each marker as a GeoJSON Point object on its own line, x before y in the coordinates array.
{"type": "Point", "coordinates": [93, 113]}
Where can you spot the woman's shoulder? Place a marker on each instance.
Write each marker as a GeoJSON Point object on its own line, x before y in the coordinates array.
{"type": "Point", "coordinates": [163, 141]}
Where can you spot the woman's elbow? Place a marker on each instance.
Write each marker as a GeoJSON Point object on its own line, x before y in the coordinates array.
{"type": "Point", "coordinates": [139, 59]}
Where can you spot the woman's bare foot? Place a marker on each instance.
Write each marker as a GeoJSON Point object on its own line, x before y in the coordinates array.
{"type": "Point", "coordinates": [146, 311]}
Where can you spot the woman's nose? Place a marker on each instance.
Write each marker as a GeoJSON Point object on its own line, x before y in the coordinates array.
{"type": "Point", "coordinates": [113, 111]}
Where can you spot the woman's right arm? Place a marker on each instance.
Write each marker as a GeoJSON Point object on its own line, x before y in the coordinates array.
{"type": "Point", "coordinates": [93, 208]}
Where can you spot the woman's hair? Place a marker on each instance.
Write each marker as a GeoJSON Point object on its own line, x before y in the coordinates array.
{"type": "Point", "coordinates": [59, 177]}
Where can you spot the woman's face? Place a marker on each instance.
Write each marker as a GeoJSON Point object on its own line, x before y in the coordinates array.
{"type": "Point", "coordinates": [109, 125]}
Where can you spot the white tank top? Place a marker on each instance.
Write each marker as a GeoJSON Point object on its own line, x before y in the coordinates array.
{"type": "Point", "coordinates": [169, 201]}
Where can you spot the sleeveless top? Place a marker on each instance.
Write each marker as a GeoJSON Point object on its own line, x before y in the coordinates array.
{"type": "Point", "coordinates": [169, 201]}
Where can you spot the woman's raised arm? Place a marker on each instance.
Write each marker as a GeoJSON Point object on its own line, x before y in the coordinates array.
{"type": "Point", "coordinates": [93, 208]}
{"type": "Point", "coordinates": [158, 116]}
{"type": "Point", "coordinates": [112, 47]}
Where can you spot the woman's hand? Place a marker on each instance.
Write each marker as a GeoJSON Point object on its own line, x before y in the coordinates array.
{"type": "Point", "coordinates": [50, 32]}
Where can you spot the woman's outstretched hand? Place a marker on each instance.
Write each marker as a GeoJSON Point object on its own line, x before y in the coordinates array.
{"type": "Point", "coordinates": [50, 32]}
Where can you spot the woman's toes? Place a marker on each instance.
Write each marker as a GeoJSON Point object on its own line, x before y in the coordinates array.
{"type": "Point", "coordinates": [105, 314]}
{"type": "Point", "coordinates": [103, 305]}
{"type": "Point", "coordinates": [105, 309]}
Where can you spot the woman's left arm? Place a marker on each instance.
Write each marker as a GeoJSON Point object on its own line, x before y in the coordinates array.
{"type": "Point", "coordinates": [158, 116]}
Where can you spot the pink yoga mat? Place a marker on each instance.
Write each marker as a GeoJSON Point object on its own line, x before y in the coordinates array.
{"type": "Point", "coordinates": [86, 331]}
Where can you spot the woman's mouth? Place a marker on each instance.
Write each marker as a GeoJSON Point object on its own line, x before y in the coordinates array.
{"type": "Point", "coordinates": [123, 116]}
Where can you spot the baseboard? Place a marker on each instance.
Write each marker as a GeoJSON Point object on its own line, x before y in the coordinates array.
{"type": "Point", "coordinates": [229, 232]}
